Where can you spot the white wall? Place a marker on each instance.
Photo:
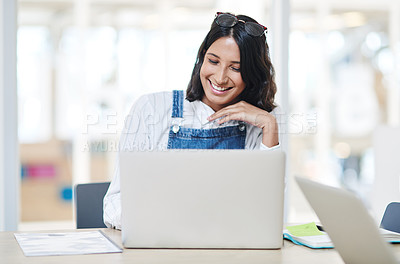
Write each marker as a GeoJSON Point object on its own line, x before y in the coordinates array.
{"type": "Point", "coordinates": [9, 166]}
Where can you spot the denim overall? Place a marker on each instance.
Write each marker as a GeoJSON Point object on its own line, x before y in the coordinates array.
{"type": "Point", "coordinates": [231, 137]}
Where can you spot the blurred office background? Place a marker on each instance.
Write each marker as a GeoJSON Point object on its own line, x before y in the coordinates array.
{"type": "Point", "coordinates": [82, 63]}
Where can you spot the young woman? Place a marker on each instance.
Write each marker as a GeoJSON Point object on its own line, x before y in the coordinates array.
{"type": "Point", "coordinates": [229, 102]}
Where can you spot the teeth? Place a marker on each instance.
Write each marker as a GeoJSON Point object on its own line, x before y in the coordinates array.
{"type": "Point", "coordinates": [219, 88]}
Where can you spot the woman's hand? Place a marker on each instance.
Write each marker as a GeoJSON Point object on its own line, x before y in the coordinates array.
{"type": "Point", "coordinates": [243, 111]}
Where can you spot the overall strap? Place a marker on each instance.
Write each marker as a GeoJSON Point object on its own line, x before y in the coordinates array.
{"type": "Point", "coordinates": [177, 105]}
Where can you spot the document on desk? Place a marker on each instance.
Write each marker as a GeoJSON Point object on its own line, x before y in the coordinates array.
{"type": "Point", "coordinates": [69, 243]}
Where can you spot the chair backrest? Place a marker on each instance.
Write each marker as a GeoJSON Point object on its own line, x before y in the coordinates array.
{"type": "Point", "coordinates": [89, 204]}
{"type": "Point", "coordinates": [391, 217]}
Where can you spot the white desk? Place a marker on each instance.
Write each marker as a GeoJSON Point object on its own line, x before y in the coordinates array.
{"type": "Point", "coordinates": [10, 252]}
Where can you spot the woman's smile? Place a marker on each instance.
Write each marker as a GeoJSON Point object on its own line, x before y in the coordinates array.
{"type": "Point", "coordinates": [219, 89]}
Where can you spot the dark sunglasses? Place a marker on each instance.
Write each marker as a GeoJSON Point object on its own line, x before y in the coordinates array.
{"type": "Point", "coordinates": [228, 20]}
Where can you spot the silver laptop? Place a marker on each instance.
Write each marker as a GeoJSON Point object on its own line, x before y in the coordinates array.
{"type": "Point", "coordinates": [202, 199]}
{"type": "Point", "coordinates": [351, 228]}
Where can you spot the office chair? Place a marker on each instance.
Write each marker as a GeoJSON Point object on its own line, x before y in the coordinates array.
{"type": "Point", "coordinates": [89, 204]}
{"type": "Point", "coordinates": [391, 217]}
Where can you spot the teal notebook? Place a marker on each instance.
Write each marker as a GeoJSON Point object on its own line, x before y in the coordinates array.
{"type": "Point", "coordinates": [307, 235]}
{"type": "Point", "coordinates": [310, 236]}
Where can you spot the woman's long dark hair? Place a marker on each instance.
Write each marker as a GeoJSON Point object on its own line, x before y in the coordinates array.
{"type": "Point", "coordinates": [255, 65]}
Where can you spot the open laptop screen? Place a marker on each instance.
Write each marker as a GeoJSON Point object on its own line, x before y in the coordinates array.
{"type": "Point", "coordinates": [202, 199]}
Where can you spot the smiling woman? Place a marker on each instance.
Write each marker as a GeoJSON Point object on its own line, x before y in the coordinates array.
{"type": "Point", "coordinates": [229, 102]}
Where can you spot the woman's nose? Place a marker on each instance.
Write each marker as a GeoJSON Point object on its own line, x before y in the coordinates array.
{"type": "Point", "coordinates": [222, 77]}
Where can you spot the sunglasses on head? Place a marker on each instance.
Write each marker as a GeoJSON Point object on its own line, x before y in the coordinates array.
{"type": "Point", "coordinates": [228, 20]}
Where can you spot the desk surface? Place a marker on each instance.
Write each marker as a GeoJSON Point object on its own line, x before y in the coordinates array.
{"type": "Point", "coordinates": [10, 252]}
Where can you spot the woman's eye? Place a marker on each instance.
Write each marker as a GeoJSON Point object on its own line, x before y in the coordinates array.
{"type": "Point", "coordinates": [235, 69]}
{"type": "Point", "coordinates": [212, 61]}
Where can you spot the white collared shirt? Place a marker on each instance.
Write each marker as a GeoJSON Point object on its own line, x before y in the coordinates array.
{"type": "Point", "coordinates": [147, 128]}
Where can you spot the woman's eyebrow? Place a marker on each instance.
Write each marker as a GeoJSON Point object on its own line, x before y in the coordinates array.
{"type": "Point", "coordinates": [215, 55]}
